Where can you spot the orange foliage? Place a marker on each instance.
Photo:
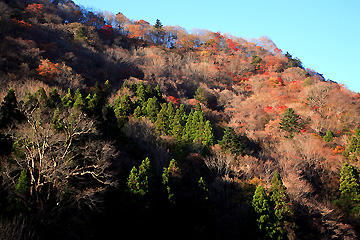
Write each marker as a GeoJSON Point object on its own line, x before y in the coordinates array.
{"type": "Point", "coordinates": [338, 150]}
{"type": "Point", "coordinates": [22, 23]}
{"type": "Point", "coordinates": [139, 30]}
{"type": "Point", "coordinates": [47, 69]}
{"type": "Point", "coordinates": [36, 9]}
{"type": "Point", "coordinates": [268, 108]}
{"type": "Point", "coordinates": [275, 82]}
{"type": "Point", "coordinates": [174, 100]}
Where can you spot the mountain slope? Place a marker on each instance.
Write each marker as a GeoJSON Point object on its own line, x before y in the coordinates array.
{"type": "Point", "coordinates": [96, 106]}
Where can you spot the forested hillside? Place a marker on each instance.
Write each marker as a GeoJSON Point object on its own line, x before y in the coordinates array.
{"type": "Point", "coordinates": [111, 128]}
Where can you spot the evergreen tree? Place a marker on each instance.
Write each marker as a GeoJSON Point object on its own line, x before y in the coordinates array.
{"type": "Point", "coordinates": [203, 190]}
{"type": "Point", "coordinates": [170, 112]}
{"type": "Point", "coordinates": [159, 32]}
{"type": "Point", "coordinates": [232, 142]}
{"type": "Point", "coordinates": [133, 87]}
{"type": "Point", "coordinates": [125, 104]}
{"type": "Point", "coordinates": [23, 185]}
{"type": "Point", "coordinates": [41, 96]}
{"type": "Point", "coordinates": [106, 90]}
{"type": "Point", "coordinates": [262, 207]}
{"type": "Point", "coordinates": [93, 104]}
{"type": "Point", "coordinates": [256, 60]}
{"type": "Point", "coordinates": [124, 85]}
{"type": "Point", "coordinates": [67, 99]}
{"type": "Point", "coordinates": [293, 62]}
{"type": "Point", "coordinates": [152, 108]}
{"type": "Point", "coordinates": [9, 111]}
{"type": "Point", "coordinates": [353, 146]}
{"type": "Point", "coordinates": [329, 136]}
{"type": "Point", "coordinates": [350, 189]}
{"type": "Point", "coordinates": [162, 122]}
{"type": "Point", "coordinates": [189, 129]}
{"type": "Point", "coordinates": [208, 135]}
{"type": "Point", "coordinates": [281, 204]}
{"type": "Point", "coordinates": [79, 101]}
{"type": "Point", "coordinates": [290, 122]}
{"type": "Point", "coordinates": [141, 93]}
{"type": "Point", "coordinates": [158, 94]}
{"type": "Point", "coordinates": [182, 114]}
{"type": "Point", "coordinates": [57, 122]}
{"type": "Point", "coordinates": [167, 179]}
{"type": "Point", "coordinates": [138, 180]}
{"type": "Point", "coordinates": [201, 96]}
{"type": "Point", "coordinates": [176, 129]}
{"type": "Point", "coordinates": [54, 99]}
{"type": "Point", "coordinates": [138, 113]}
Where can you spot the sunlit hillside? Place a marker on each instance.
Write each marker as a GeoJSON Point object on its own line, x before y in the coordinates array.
{"type": "Point", "coordinates": [112, 127]}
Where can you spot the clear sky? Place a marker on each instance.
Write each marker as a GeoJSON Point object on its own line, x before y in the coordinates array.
{"type": "Point", "coordinates": [323, 34]}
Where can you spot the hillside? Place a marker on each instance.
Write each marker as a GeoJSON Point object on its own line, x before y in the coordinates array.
{"type": "Point", "coordinates": [112, 127]}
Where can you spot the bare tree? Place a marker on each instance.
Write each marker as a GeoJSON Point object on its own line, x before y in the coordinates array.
{"type": "Point", "coordinates": [219, 163]}
{"type": "Point", "coordinates": [59, 148]}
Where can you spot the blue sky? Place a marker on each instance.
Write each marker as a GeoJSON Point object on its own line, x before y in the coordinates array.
{"type": "Point", "coordinates": [323, 34]}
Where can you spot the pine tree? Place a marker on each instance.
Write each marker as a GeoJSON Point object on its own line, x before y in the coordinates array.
{"type": "Point", "coordinates": [138, 112]}
{"type": "Point", "coordinates": [158, 94]}
{"type": "Point", "coordinates": [281, 204]}
{"type": "Point", "coordinates": [232, 142]}
{"type": "Point", "coordinates": [329, 136]}
{"type": "Point", "coordinates": [353, 146]}
{"type": "Point", "coordinates": [162, 122]}
{"type": "Point", "coordinates": [93, 104]}
{"type": "Point", "coordinates": [41, 96]}
{"type": "Point", "coordinates": [182, 114]}
{"type": "Point", "coordinates": [350, 189]}
{"type": "Point", "coordinates": [79, 102]}
{"type": "Point", "coordinates": [176, 129]}
{"type": "Point", "coordinates": [201, 96]}
{"type": "Point", "coordinates": [290, 122]}
{"type": "Point", "coordinates": [141, 93]}
{"type": "Point", "coordinates": [170, 112]}
{"type": "Point", "coordinates": [57, 122]}
{"type": "Point", "coordinates": [9, 111]}
{"type": "Point", "coordinates": [203, 190]}
{"type": "Point", "coordinates": [208, 135]}
{"type": "Point", "coordinates": [189, 130]}
{"type": "Point", "coordinates": [126, 104]}
{"type": "Point", "coordinates": [262, 207]}
{"type": "Point", "coordinates": [67, 99]}
{"type": "Point", "coordinates": [107, 89]}
{"type": "Point", "coordinates": [167, 179]}
{"type": "Point", "coordinates": [54, 99]}
{"type": "Point", "coordinates": [23, 185]}
{"type": "Point", "coordinates": [152, 108]}
{"type": "Point", "coordinates": [138, 180]}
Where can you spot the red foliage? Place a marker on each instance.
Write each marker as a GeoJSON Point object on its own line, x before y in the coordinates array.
{"type": "Point", "coordinates": [232, 45]}
{"type": "Point", "coordinates": [174, 100]}
{"type": "Point", "coordinates": [277, 50]}
{"type": "Point", "coordinates": [35, 8]}
{"type": "Point", "coordinates": [214, 48]}
{"type": "Point", "coordinates": [268, 108]}
{"type": "Point", "coordinates": [22, 23]}
{"type": "Point", "coordinates": [338, 150]}
{"type": "Point", "coordinates": [107, 30]}
{"type": "Point", "coordinates": [282, 107]}
{"type": "Point", "coordinates": [280, 81]}
{"type": "Point", "coordinates": [47, 70]}
{"type": "Point", "coordinates": [218, 36]}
